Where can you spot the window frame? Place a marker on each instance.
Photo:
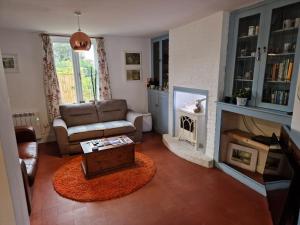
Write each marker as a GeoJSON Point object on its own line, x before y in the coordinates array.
{"type": "Point", "coordinates": [76, 67]}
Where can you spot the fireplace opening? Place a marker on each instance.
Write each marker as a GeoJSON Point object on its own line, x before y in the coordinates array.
{"type": "Point", "coordinates": [187, 123]}
{"type": "Point", "coordinates": [189, 116]}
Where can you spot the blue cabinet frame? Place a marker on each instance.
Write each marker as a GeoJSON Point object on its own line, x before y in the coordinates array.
{"type": "Point", "coordinates": [293, 84]}
{"type": "Point", "coordinates": [265, 10]}
{"type": "Point", "coordinates": [158, 103]}
{"type": "Point", "coordinates": [158, 40]}
{"type": "Point", "coordinates": [232, 50]}
{"type": "Point", "coordinates": [265, 114]}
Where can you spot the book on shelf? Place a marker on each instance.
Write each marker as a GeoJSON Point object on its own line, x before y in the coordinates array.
{"type": "Point", "coordinates": [282, 71]}
{"type": "Point", "coordinates": [279, 97]}
{"type": "Point", "coordinates": [275, 68]}
{"type": "Point", "coordinates": [290, 71]}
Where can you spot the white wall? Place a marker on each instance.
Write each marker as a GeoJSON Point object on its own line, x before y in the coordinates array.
{"type": "Point", "coordinates": [197, 60]}
{"type": "Point", "coordinates": [26, 90]}
{"type": "Point", "coordinates": [13, 208]}
{"type": "Point", "coordinates": [134, 91]}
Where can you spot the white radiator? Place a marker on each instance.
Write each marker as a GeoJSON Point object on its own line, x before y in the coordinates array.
{"type": "Point", "coordinates": [28, 119]}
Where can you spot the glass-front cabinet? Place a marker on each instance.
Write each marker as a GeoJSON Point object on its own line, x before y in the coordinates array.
{"type": "Point", "coordinates": [263, 54]}
{"type": "Point", "coordinates": [160, 61]}
{"type": "Point", "coordinates": [247, 52]}
{"type": "Point", "coordinates": [279, 69]}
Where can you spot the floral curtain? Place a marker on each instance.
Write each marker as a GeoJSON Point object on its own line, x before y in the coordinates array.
{"type": "Point", "coordinates": [104, 83]}
{"type": "Point", "coordinates": [51, 84]}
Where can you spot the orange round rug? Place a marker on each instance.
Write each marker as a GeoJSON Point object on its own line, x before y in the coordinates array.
{"type": "Point", "coordinates": [69, 180]}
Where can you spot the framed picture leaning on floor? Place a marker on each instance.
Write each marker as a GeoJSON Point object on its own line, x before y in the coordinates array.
{"type": "Point", "coordinates": [242, 156]}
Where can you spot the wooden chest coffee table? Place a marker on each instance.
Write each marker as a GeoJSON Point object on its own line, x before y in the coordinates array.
{"type": "Point", "coordinates": [103, 155]}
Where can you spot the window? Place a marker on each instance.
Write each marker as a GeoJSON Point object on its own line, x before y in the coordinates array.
{"type": "Point", "coordinates": [76, 72]}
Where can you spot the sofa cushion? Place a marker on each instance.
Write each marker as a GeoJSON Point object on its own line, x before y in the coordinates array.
{"type": "Point", "coordinates": [28, 150]}
{"type": "Point", "coordinates": [88, 131]}
{"type": "Point", "coordinates": [117, 127]}
{"type": "Point", "coordinates": [78, 114]}
{"type": "Point", "coordinates": [111, 110]}
{"type": "Point", "coordinates": [98, 130]}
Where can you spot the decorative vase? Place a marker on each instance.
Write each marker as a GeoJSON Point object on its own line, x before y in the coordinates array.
{"type": "Point", "coordinates": [198, 105]}
{"type": "Point", "coordinates": [241, 101]}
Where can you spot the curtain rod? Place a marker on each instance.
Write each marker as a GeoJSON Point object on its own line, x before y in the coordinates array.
{"type": "Point", "coordinates": [66, 35]}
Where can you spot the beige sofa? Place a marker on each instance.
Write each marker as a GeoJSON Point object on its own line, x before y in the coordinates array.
{"type": "Point", "coordinates": [86, 121]}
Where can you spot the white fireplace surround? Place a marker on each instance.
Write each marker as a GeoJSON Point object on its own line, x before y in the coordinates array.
{"type": "Point", "coordinates": [189, 143]}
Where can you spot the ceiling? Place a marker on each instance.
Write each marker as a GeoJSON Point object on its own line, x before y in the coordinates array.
{"type": "Point", "coordinates": [108, 17]}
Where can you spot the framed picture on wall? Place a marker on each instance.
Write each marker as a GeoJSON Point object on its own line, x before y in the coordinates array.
{"type": "Point", "coordinates": [132, 58]}
{"type": "Point", "coordinates": [242, 156]}
{"type": "Point", "coordinates": [133, 65]}
{"type": "Point", "coordinates": [10, 63]}
{"type": "Point", "coordinates": [133, 74]}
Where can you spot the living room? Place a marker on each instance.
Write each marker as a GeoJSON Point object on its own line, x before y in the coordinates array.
{"type": "Point", "coordinates": [122, 119]}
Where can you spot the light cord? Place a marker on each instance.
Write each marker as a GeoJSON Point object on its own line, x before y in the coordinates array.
{"type": "Point", "coordinates": [246, 125]}
{"type": "Point", "coordinates": [78, 14]}
{"type": "Point", "coordinates": [255, 124]}
{"type": "Point", "coordinates": [78, 22]}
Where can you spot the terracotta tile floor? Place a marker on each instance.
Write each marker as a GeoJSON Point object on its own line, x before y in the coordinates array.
{"type": "Point", "coordinates": [180, 193]}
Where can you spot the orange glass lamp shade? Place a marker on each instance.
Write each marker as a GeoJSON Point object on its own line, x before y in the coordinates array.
{"type": "Point", "coordinates": [79, 42]}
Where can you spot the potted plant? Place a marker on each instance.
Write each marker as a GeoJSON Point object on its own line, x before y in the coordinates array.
{"type": "Point", "coordinates": [242, 96]}
{"type": "Point", "coordinates": [152, 83]}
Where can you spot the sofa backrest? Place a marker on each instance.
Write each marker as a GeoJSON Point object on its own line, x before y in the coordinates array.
{"type": "Point", "coordinates": [110, 110]}
{"type": "Point", "coordinates": [78, 114]}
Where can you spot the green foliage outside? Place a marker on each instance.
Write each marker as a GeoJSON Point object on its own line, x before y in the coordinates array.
{"type": "Point", "coordinates": [64, 68]}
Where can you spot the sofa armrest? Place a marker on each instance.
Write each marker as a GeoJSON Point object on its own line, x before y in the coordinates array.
{"type": "Point", "coordinates": [25, 134]}
{"type": "Point", "coordinates": [136, 119]}
{"type": "Point", "coordinates": [61, 133]}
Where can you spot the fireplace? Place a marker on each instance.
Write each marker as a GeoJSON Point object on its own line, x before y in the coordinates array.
{"type": "Point", "coordinates": [189, 126]}
{"type": "Point", "coordinates": [189, 119]}
{"type": "Point", "coordinates": [187, 131]}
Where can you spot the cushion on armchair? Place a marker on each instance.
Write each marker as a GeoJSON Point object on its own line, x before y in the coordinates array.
{"type": "Point", "coordinates": [28, 150]}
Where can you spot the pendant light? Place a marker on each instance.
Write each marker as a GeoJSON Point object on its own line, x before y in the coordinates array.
{"type": "Point", "coordinates": [79, 41]}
